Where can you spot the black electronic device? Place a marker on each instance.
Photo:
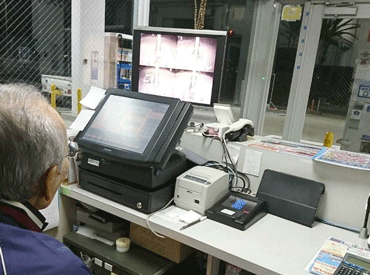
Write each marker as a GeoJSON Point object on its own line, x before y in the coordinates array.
{"type": "Point", "coordinates": [237, 210]}
{"type": "Point", "coordinates": [143, 176]}
{"type": "Point", "coordinates": [353, 265]}
{"type": "Point", "coordinates": [134, 128]}
{"type": "Point", "coordinates": [290, 197]}
{"type": "Point", "coordinates": [181, 63]}
{"type": "Point", "coordinates": [142, 199]}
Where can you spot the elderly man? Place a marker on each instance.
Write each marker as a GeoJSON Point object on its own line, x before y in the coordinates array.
{"type": "Point", "coordinates": [33, 164]}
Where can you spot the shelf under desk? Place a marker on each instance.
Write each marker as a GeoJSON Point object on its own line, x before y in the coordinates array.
{"type": "Point", "coordinates": [271, 246]}
{"type": "Point", "coordinates": [135, 261]}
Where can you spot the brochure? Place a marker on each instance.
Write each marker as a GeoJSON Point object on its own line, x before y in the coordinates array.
{"type": "Point", "coordinates": [343, 158]}
{"type": "Point", "coordinates": [331, 254]}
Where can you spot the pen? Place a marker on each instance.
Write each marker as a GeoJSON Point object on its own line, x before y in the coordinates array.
{"type": "Point", "coordinates": [194, 222]}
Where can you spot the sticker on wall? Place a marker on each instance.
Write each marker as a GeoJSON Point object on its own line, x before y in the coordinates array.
{"type": "Point", "coordinates": [94, 65]}
{"type": "Point", "coordinates": [291, 13]}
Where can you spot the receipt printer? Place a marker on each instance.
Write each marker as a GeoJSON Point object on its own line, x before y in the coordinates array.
{"type": "Point", "coordinates": [200, 188]}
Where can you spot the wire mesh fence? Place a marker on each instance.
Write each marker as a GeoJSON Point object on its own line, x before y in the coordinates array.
{"type": "Point", "coordinates": [36, 43]}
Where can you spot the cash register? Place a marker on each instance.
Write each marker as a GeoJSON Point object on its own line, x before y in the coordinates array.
{"type": "Point", "coordinates": [128, 148]}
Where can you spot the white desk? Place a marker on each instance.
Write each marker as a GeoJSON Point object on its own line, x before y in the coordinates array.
{"type": "Point", "coordinates": [271, 246]}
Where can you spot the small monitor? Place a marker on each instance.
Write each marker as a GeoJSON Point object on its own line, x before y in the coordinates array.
{"type": "Point", "coordinates": [180, 63]}
{"type": "Point", "coordinates": [135, 128]}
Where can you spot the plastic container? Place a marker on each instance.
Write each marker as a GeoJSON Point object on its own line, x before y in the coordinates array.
{"type": "Point", "coordinates": [329, 139]}
{"type": "Point", "coordinates": [123, 244]}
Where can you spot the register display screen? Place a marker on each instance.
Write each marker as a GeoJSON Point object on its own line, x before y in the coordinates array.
{"type": "Point", "coordinates": [239, 204]}
{"type": "Point", "coordinates": [126, 123]}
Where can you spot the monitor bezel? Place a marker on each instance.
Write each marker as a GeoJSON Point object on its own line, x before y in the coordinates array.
{"type": "Point", "coordinates": [221, 37]}
{"type": "Point", "coordinates": [155, 153]}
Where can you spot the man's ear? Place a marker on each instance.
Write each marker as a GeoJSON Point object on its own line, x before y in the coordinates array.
{"type": "Point", "coordinates": [48, 188]}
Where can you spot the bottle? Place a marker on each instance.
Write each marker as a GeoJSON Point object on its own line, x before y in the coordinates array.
{"type": "Point", "coordinates": [329, 139]}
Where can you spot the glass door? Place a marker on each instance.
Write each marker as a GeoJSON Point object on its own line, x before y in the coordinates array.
{"type": "Point", "coordinates": [282, 71]}
{"type": "Point", "coordinates": [325, 69]}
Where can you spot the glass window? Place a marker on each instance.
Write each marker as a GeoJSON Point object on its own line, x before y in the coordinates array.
{"type": "Point", "coordinates": [232, 15]}
{"type": "Point", "coordinates": [281, 77]}
{"type": "Point", "coordinates": [340, 57]}
{"type": "Point", "coordinates": [118, 16]}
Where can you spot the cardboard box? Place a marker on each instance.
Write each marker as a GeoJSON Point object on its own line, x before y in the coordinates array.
{"type": "Point", "coordinates": [168, 248]}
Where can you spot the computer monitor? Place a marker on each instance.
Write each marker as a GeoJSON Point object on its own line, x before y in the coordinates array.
{"type": "Point", "coordinates": [135, 128]}
{"type": "Point", "coordinates": [180, 63]}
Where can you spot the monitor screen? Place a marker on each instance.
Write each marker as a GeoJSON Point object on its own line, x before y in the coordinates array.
{"type": "Point", "coordinates": [135, 128]}
{"type": "Point", "coordinates": [135, 122]}
{"type": "Point", "coordinates": [179, 63]}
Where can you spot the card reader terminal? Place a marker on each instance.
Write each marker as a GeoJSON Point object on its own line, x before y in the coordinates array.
{"type": "Point", "coordinates": [237, 210]}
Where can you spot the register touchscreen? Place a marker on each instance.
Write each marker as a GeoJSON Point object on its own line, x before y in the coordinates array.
{"type": "Point", "coordinates": [126, 123]}
{"type": "Point", "coordinates": [135, 128]}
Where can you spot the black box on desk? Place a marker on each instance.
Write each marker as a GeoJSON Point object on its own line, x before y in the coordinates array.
{"type": "Point", "coordinates": [290, 197]}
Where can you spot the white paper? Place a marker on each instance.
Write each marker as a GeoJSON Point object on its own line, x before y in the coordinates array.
{"type": "Point", "coordinates": [190, 216]}
{"type": "Point", "coordinates": [252, 162]}
{"type": "Point", "coordinates": [172, 213]}
{"type": "Point", "coordinates": [82, 119]}
{"type": "Point", "coordinates": [93, 98]}
{"type": "Point", "coordinates": [51, 213]}
{"type": "Point", "coordinates": [234, 152]}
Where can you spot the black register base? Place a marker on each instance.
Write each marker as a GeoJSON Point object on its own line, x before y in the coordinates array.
{"type": "Point", "coordinates": [141, 199]}
{"type": "Point", "coordinates": [145, 189]}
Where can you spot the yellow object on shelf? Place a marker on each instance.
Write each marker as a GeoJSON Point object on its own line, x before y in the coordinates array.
{"type": "Point", "coordinates": [329, 139]}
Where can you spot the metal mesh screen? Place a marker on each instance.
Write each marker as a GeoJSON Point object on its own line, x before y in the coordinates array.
{"type": "Point", "coordinates": [35, 43]}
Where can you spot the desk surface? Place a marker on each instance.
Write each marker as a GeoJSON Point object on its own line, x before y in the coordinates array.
{"type": "Point", "coordinates": [271, 246]}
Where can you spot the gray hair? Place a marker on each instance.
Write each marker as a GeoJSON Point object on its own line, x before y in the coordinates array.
{"type": "Point", "coordinates": [30, 142]}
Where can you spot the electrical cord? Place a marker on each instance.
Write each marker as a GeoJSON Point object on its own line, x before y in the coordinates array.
{"type": "Point", "coordinates": [147, 219]}
{"type": "Point", "coordinates": [355, 230]}
{"type": "Point", "coordinates": [194, 127]}
{"type": "Point", "coordinates": [224, 168]}
{"type": "Point", "coordinates": [227, 157]}
{"type": "Point", "coordinates": [227, 169]}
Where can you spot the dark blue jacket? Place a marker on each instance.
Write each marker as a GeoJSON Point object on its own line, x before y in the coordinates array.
{"type": "Point", "coordinates": [23, 251]}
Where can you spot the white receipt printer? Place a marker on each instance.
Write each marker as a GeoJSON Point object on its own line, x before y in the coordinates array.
{"type": "Point", "coordinates": [200, 188]}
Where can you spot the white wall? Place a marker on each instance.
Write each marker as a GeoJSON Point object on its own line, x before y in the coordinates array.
{"type": "Point", "coordinates": [88, 21]}
{"type": "Point", "coordinates": [362, 43]}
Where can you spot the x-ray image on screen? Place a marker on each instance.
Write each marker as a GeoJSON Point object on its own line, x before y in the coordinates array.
{"type": "Point", "coordinates": [158, 50]}
{"type": "Point", "coordinates": [196, 53]}
{"type": "Point", "coordinates": [189, 86]}
{"type": "Point", "coordinates": [177, 66]}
